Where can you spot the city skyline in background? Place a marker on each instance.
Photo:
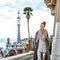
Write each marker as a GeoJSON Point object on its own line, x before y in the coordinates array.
{"type": "Point", "coordinates": [8, 17]}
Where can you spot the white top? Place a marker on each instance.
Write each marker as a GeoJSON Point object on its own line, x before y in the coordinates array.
{"type": "Point", "coordinates": [42, 46]}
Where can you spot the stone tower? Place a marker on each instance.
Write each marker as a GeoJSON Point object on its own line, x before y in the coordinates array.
{"type": "Point", "coordinates": [19, 44]}
{"type": "Point", "coordinates": [18, 29]}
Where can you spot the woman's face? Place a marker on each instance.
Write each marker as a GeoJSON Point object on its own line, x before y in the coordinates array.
{"type": "Point", "coordinates": [42, 26]}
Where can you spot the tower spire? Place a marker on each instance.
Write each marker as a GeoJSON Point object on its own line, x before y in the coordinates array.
{"type": "Point", "coordinates": [18, 27]}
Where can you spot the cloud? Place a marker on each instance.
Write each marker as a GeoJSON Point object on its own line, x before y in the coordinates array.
{"type": "Point", "coordinates": [8, 17]}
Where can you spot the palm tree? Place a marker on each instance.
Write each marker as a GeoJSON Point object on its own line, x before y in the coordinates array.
{"type": "Point", "coordinates": [28, 13]}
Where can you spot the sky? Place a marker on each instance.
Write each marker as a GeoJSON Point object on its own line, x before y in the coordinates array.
{"type": "Point", "coordinates": [8, 17]}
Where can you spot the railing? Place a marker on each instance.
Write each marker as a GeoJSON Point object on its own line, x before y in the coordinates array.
{"type": "Point", "coordinates": [20, 56]}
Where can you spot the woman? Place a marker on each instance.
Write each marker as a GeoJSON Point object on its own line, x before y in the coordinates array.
{"type": "Point", "coordinates": [41, 44]}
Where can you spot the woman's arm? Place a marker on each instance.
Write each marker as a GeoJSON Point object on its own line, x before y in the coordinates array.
{"type": "Point", "coordinates": [35, 40]}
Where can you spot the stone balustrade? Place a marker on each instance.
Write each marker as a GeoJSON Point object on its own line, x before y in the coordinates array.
{"type": "Point", "coordinates": [20, 56]}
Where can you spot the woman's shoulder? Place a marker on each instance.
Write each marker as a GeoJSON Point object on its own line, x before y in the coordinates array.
{"type": "Point", "coordinates": [37, 31]}
{"type": "Point", "coordinates": [45, 31]}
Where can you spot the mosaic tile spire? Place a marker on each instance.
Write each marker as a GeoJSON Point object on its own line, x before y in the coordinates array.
{"type": "Point", "coordinates": [18, 29]}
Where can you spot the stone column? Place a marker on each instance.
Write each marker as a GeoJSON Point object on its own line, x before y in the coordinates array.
{"type": "Point", "coordinates": [57, 11]}
{"type": "Point", "coordinates": [57, 14]}
{"type": "Point", "coordinates": [56, 39]}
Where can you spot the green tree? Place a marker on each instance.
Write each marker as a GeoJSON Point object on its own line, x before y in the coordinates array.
{"type": "Point", "coordinates": [28, 13]}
